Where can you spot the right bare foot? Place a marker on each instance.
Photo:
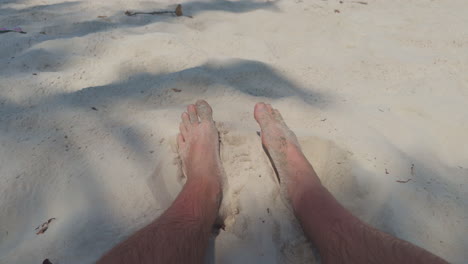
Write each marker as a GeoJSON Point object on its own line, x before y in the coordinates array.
{"type": "Point", "coordinates": [339, 236]}
{"type": "Point", "coordinates": [295, 173]}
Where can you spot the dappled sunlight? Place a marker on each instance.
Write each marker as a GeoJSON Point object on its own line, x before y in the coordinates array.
{"type": "Point", "coordinates": [133, 124]}
{"type": "Point", "coordinates": [91, 99]}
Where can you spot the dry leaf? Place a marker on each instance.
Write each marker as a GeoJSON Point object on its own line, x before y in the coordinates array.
{"type": "Point", "coordinates": [43, 227]}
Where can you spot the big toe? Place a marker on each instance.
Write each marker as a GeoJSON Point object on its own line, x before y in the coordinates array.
{"type": "Point", "coordinates": [204, 110]}
{"type": "Point", "coordinates": [262, 114]}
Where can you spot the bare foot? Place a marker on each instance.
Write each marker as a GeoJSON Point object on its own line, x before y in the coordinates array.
{"type": "Point", "coordinates": [198, 144]}
{"type": "Point", "coordinates": [294, 171]}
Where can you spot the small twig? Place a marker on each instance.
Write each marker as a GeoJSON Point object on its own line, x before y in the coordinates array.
{"type": "Point", "coordinates": [404, 181]}
{"type": "Point", "coordinates": [16, 29]}
{"type": "Point", "coordinates": [128, 13]}
{"type": "Point", "coordinates": [176, 12]}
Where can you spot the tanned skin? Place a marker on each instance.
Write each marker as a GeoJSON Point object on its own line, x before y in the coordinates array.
{"type": "Point", "coordinates": [339, 236]}
{"type": "Point", "coordinates": [181, 234]}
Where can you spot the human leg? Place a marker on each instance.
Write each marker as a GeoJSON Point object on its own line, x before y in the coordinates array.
{"type": "Point", "coordinates": [181, 233]}
{"type": "Point", "coordinates": [339, 236]}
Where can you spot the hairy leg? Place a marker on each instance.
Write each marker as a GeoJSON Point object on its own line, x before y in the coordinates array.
{"type": "Point", "coordinates": [339, 236]}
{"type": "Point", "coordinates": [181, 233]}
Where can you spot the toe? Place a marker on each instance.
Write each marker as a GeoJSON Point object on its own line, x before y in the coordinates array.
{"type": "Point", "coordinates": [269, 108]}
{"type": "Point", "coordinates": [192, 112]}
{"type": "Point", "coordinates": [261, 114]}
{"type": "Point", "coordinates": [204, 111]}
{"type": "Point", "coordinates": [277, 116]}
{"type": "Point", "coordinates": [186, 120]}
{"type": "Point", "coordinates": [180, 141]}
{"type": "Point", "coordinates": [260, 110]}
{"type": "Point", "coordinates": [183, 131]}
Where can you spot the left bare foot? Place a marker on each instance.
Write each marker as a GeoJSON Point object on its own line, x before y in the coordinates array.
{"type": "Point", "coordinates": [198, 143]}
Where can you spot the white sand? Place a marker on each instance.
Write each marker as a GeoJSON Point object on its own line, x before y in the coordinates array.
{"type": "Point", "coordinates": [374, 88]}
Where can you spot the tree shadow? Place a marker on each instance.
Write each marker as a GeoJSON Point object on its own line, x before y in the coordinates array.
{"type": "Point", "coordinates": [152, 91]}
{"type": "Point", "coordinates": [107, 106]}
{"type": "Point", "coordinates": [61, 123]}
{"type": "Point", "coordinates": [425, 194]}
{"type": "Point", "coordinates": [146, 92]}
{"type": "Point", "coordinates": [60, 20]}
{"type": "Point", "coordinates": [412, 200]}
{"type": "Point", "coordinates": [229, 6]}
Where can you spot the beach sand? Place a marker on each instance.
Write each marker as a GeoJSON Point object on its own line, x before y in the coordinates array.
{"type": "Point", "coordinates": [90, 102]}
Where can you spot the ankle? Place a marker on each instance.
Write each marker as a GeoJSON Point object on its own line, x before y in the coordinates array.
{"type": "Point", "coordinates": [301, 172]}
{"type": "Point", "coordinates": [208, 187]}
{"type": "Point", "coordinates": [317, 206]}
{"type": "Point", "coordinates": [303, 194]}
